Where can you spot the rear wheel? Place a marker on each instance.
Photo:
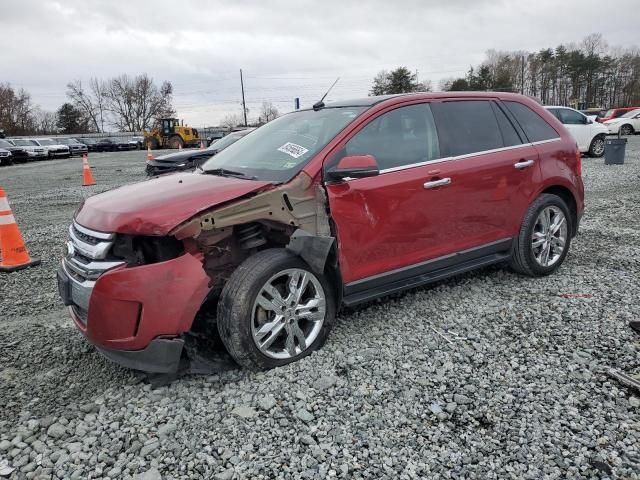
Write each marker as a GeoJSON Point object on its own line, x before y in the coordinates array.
{"type": "Point", "coordinates": [626, 130]}
{"type": "Point", "coordinates": [274, 310]}
{"type": "Point", "coordinates": [596, 149]}
{"type": "Point", "coordinates": [176, 142]}
{"type": "Point", "coordinates": [544, 238]}
{"type": "Point", "coordinates": [152, 142]}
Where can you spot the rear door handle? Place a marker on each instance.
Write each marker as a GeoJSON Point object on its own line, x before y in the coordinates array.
{"type": "Point", "coordinates": [437, 183]}
{"type": "Point", "coordinates": [523, 164]}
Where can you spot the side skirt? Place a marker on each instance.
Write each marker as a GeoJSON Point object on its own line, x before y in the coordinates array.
{"type": "Point", "coordinates": [427, 272]}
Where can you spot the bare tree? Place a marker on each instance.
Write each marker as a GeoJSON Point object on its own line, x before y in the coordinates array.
{"type": "Point", "coordinates": [89, 102]}
{"type": "Point", "coordinates": [16, 111]}
{"type": "Point", "coordinates": [268, 112]}
{"type": "Point", "coordinates": [45, 123]}
{"type": "Point", "coordinates": [98, 89]}
{"type": "Point", "coordinates": [232, 120]}
{"type": "Point", "coordinates": [137, 104]}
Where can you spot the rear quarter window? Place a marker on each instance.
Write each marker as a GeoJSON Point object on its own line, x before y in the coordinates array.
{"type": "Point", "coordinates": [535, 127]}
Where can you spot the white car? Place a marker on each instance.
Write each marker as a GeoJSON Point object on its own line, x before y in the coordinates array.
{"type": "Point", "coordinates": [627, 124]}
{"type": "Point", "coordinates": [53, 149]}
{"type": "Point", "coordinates": [32, 148]}
{"type": "Point", "coordinates": [5, 157]}
{"type": "Point", "coordinates": [589, 135]}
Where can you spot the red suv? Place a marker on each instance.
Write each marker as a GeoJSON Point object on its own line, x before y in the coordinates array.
{"type": "Point", "coordinates": [319, 209]}
{"type": "Point", "coordinates": [615, 113]}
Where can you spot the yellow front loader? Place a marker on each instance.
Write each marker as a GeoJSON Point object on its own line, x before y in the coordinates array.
{"type": "Point", "coordinates": [171, 135]}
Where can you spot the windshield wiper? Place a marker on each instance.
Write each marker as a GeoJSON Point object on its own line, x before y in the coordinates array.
{"type": "Point", "coordinates": [223, 172]}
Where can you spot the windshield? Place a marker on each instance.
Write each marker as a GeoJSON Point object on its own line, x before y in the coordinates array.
{"type": "Point", "coordinates": [25, 143]}
{"type": "Point", "coordinates": [631, 114]}
{"type": "Point", "coordinates": [45, 141]}
{"type": "Point", "coordinates": [224, 142]}
{"type": "Point", "coordinates": [278, 150]}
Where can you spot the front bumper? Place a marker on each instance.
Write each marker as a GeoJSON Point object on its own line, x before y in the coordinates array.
{"type": "Point", "coordinates": [135, 315]}
{"type": "Point", "coordinates": [162, 355]}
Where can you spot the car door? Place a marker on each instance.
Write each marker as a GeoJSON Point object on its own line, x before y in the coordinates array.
{"type": "Point", "coordinates": [578, 125]}
{"type": "Point", "coordinates": [425, 205]}
{"type": "Point", "coordinates": [495, 170]}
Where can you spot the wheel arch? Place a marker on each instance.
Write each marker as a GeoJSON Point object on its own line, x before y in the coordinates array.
{"type": "Point", "coordinates": [568, 197]}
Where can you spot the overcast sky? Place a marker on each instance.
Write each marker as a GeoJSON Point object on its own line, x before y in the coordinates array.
{"type": "Point", "coordinates": [286, 48]}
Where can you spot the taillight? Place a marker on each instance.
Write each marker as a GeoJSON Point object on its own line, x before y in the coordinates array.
{"type": "Point", "coordinates": [578, 163]}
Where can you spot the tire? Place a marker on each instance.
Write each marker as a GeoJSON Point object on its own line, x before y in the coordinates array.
{"type": "Point", "coordinates": [596, 149]}
{"type": "Point", "coordinates": [626, 130]}
{"type": "Point", "coordinates": [153, 142]}
{"type": "Point", "coordinates": [176, 142]}
{"type": "Point", "coordinates": [240, 316]}
{"type": "Point", "coordinates": [524, 258]}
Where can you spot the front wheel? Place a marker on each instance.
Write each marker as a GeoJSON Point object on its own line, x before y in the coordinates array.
{"type": "Point", "coordinates": [596, 149]}
{"type": "Point", "coordinates": [274, 310]}
{"type": "Point", "coordinates": [544, 238]}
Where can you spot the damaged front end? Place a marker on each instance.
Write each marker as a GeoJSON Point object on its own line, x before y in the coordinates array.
{"type": "Point", "coordinates": [148, 302]}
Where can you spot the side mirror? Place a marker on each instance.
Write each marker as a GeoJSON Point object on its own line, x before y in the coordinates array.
{"type": "Point", "coordinates": [354, 166]}
{"type": "Point", "coordinates": [589, 121]}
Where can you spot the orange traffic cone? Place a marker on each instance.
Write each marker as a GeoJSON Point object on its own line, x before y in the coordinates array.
{"type": "Point", "coordinates": [13, 253]}
{"type": "Point", "coordinates": [149, 155]}
{"type": "Point", "coordinates": [87, 176]}
{"type": "Point", "coordinates": [202, 145]}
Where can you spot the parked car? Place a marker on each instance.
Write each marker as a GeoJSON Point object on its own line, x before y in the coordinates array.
{"type": "Point", "coordinates": [53, 148]}
{"type": "Point", "coordinates": [35, 151]}
{"type": "Point", "coordinates": [615, 113]}
{"type": "Point", "coordinates": [18, 154]}
{"type": "Point", "coordinates": [627, 124]}
{"type": "Point", "coordinates": [593, 113]}
{"type": "Point", "coordinates": [97, 144]}
{"type": "Point", "coordinates": [318, 209]}
{"type": "Point", "coordinates": [589, 135]}
{"type": "Point", "coordinates": [139, 142]}
{"type": "Point", "coordinates": [75, 146]}
{"type": "Point", "coordinates": [188, 159]}
{"type": "Point", "coordinates": [113, 144]}
{"type": "Point", "coordinates": [5, 157]}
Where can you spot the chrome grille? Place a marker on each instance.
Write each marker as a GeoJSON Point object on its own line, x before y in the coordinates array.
{"type": "Point", "coordinates": [86, 260]}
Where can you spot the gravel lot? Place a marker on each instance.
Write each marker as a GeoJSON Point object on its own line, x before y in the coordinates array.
{"type": "Point", "coordinates": [488, 375]}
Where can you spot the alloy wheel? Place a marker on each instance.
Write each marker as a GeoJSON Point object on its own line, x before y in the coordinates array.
{"type": "Point", "coordinates": [549, 236]}
{"type": "Point", "coordinates": [626, 130]}
{"type": "Point", "coordinates": [288, 313]}
{"type": "Point", "coordinates": [598, 147]}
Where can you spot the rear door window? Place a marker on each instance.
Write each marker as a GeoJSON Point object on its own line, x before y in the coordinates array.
{"type": "Point", "coordinates": [401, 137]}
{"type": "Point", "coordinates": [534, 126]}
{"type": "Point", "coordinates": [469, 126]}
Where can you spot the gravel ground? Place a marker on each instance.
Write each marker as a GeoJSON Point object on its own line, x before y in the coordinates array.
{"type": "Point", "coordinates": [488, 375]}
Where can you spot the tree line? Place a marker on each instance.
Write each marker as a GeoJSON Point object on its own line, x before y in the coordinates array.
{"type": "Point", "coordinates": [123, 103]}
{"type": "Point", "coordinates": [589, 74]}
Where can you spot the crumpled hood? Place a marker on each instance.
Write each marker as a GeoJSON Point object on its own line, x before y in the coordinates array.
{"type": "Point", "coordinates": [157, 206]}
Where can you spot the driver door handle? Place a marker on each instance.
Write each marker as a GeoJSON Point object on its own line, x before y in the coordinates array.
{"type": "Point", "coordinates": [437, 183]}
{"type": "Point", "coordinates": [523, 164]}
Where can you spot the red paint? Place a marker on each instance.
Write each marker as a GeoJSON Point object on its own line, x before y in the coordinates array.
{"type": "Point", "coordinates": [156, 206]}
{"type": "Point", "coordinates": [357, 161]}
{"type": "Point", "coordinates": [616, 113]}
{"type": "Point", "coordinates": [383, 222]}
{"type": "Point", "coordinates": [129, 307]}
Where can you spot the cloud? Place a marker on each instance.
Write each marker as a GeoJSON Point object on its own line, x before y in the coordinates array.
{"type": "Point", "coordinates": [287, 48]}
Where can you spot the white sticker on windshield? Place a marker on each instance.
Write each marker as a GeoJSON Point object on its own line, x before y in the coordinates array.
{"type": "Point", "coordinates": [296, 151]}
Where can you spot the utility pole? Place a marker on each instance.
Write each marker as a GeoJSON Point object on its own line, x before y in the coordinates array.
{"type": "Point", "coordinates": [522, 78]}
{"type": "Point", "coordinates": [244, 106]}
